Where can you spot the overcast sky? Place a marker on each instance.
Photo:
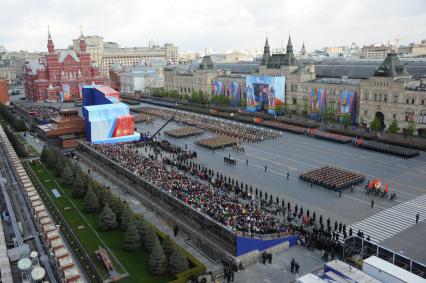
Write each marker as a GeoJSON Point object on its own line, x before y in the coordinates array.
{"type": "Point", "coordinates": [218, 24]}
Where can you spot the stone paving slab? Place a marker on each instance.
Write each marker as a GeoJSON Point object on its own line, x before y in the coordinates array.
{"type": "Point", "coordinates": [279, 270]}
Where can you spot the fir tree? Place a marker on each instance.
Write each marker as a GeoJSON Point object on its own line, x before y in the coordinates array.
{"type": "Point", "coordinates": [59, 167]}
{"type": "Point", "coordinates": [100, 193]}
{"type": "Point", "coordinates": [66, 176]}
{"type": "Point", "coordinates": [117, 206]}
{"type": "Point", "coordinates": [393, 127]}
{"type": "Point", "coordinates": [157, 261]}
{"type": "Point", "coordinates": [168, 246]}
{"type": "Point", "coordinates": [126, 217]}
{"type": "Point", "coordinates": [79, 189]}
{"type": "Point", "coordinates": [107, 220]}
{"type": "Point", "coordinates": [142, 226]}
{"type": "Point", "coordinates": [44, 154]}
{"type": "Point", "coordinates": [150, 239]}
{"type": "Point", "coordinates": [177, 262]}
{"type": "Point", "coordinates": [132, 240]}
{"type": "Point", "coordinates": [51, 160]}
{"type": "Point", "coordinates": [91, 203]}
{"type": "Point", "coordinates": [376, 125]}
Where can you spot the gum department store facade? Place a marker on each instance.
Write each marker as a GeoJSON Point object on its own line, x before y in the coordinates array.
{"type": "Point", "coordinates": [389, 93]}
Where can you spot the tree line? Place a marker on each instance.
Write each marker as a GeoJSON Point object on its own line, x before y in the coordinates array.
{"type": "Point", "coordinates": [115, 214]}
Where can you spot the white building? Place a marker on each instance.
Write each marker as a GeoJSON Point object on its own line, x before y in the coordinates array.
{"type": "Point", "coordinates": [375, 51]}
{"type": "Point", "coordinates": [105, 54]}
{"type": "Point", "coordinates": [94, 46]}
{"type": "Point", "coordinates": [143, 78]}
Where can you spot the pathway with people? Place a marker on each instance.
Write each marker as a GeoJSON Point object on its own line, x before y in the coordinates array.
{"type": "Point", "coordinates": [392, 221]}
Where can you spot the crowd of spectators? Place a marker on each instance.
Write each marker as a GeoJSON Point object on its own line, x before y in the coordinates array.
{"type": "Point", "coordinates": [42, 112]}
{"type": "Point", "coordinates": [226, 208]}
{"type": "Point", "coordinates": [218, 126]}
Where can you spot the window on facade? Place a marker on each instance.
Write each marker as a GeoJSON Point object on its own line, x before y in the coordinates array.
{"type": "Point", "coordinates": [380, 97]}
{"type": "Point", "coordinates": [412, 101]}
{"type": "Point", "coordinates": [365, 112]}
{"type": "Point", "coordinates": [294, 100]}
{"type": "Point", "coordinates": [422, 117]}
{"type": "Point", "coordinates": [394, 115]}
{"type": "Point", "coordinates": [375, 97]}
{"type": "Point", "coordinates": [395, 99]}
{"type": "Point", "coordinates": [423, 102]}
{"type": "Point", "coordinates": [408, 100]}
{"type": "Point", "coordinates": [385, 98]}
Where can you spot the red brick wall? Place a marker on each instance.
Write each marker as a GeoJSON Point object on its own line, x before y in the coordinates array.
{"type": "Point", "coordinates": [4, 91]}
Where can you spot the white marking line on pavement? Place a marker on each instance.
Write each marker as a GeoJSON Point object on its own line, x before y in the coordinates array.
{"type": "Point", "coordinates": [290, 168]}
{"type": "Point", "coordinates": [324, 163]}
{"type": "Point", "coordinates": [402, 166]}
{"type": "Point", "coordinates": [392, 221]}
{"type": "Point", "coordinates": [347, 153]}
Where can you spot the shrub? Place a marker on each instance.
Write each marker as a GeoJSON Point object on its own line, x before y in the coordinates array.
{"type": "Point", "coordinates": [91, 202]}
{"type": "Point", "coordinates": [66, 176]}
{"type": "Point", "coordinates": [177, 262]}
{"type": "Point", "coordinates": [132, 240]}
{"type": "Point", "coordinates": [79, 188]}
{"type": "Point", "coordinates": [157, 261]}
{"type": "Point", "coordinates": [107, 220]}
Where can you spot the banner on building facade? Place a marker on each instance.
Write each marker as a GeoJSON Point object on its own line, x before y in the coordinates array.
{"type": "Point", "coordinates": [347, 103]}
{"type": "Point", "coordinates": [317, 100]}
{"type": "Point", "coordinates": [66, 92]}
{"type": "Point", "coordinates": [230, 89]}
{"type": "Point", "coordinates": [264, 93]}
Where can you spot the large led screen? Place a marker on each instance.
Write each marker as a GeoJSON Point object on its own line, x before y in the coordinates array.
{"type": "Point", "coordinates": [264, 93]}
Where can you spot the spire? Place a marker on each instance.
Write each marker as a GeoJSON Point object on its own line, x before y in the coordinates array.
{"type": "Point", "coordinates": [49, 37]}
{"type": "Point", "coordinates": [50, 45]}
{"type": "Point", "coordinates": [82, 41]}
{"type": "Point", "coordinates": [289, 45]}
{"type": "Point", "coordinates": [266, 53]}
{"type": "Point", "coordinates": [303, 51]}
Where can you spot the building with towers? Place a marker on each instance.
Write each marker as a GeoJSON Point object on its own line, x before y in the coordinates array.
{"type": "Point", "coordinates": [391, 90]}
{"type": "Point", "coordinates": [60, 74]}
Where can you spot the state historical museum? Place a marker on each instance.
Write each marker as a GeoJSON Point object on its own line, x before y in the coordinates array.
{"type": "Point", "coordinates": [60, 75]}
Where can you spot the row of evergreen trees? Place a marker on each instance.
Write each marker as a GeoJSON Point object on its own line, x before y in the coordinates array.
{"type": "Point", "coordinates": [115, 214]}
{"type": "Point", "coordinates": [17, 123]}
{"type": "Point", "coordinates": [17, 144]}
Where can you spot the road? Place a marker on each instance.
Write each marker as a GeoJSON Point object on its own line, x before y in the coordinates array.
{"type": "Point", "coordinates": [297, 153]}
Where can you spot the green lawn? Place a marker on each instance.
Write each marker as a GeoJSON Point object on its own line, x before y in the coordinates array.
{"type": "Point", "coordinates": [32, 152]}
{"type": "Point", "coordinates": [134, 263]}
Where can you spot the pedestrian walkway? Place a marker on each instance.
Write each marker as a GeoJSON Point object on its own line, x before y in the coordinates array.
{"type": "Point", "coordinates": [391, 221]}
{"type": "Point", "coordinates": [136, 206]}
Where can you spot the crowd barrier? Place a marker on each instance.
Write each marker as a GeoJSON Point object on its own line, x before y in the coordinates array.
{"type": "Point", "coordinates": [246, 245]}
{"type": "Point", "coordinates": [198, 221]}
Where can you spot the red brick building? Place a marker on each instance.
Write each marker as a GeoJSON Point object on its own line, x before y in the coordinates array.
{"type": "Point", "coordinates": [60, 74]}
{"type": "Point", "coordinates": [4, 91]}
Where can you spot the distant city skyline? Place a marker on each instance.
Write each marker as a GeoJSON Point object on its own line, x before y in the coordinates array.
{"type": "Point", "coordinates": [220, 25]}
